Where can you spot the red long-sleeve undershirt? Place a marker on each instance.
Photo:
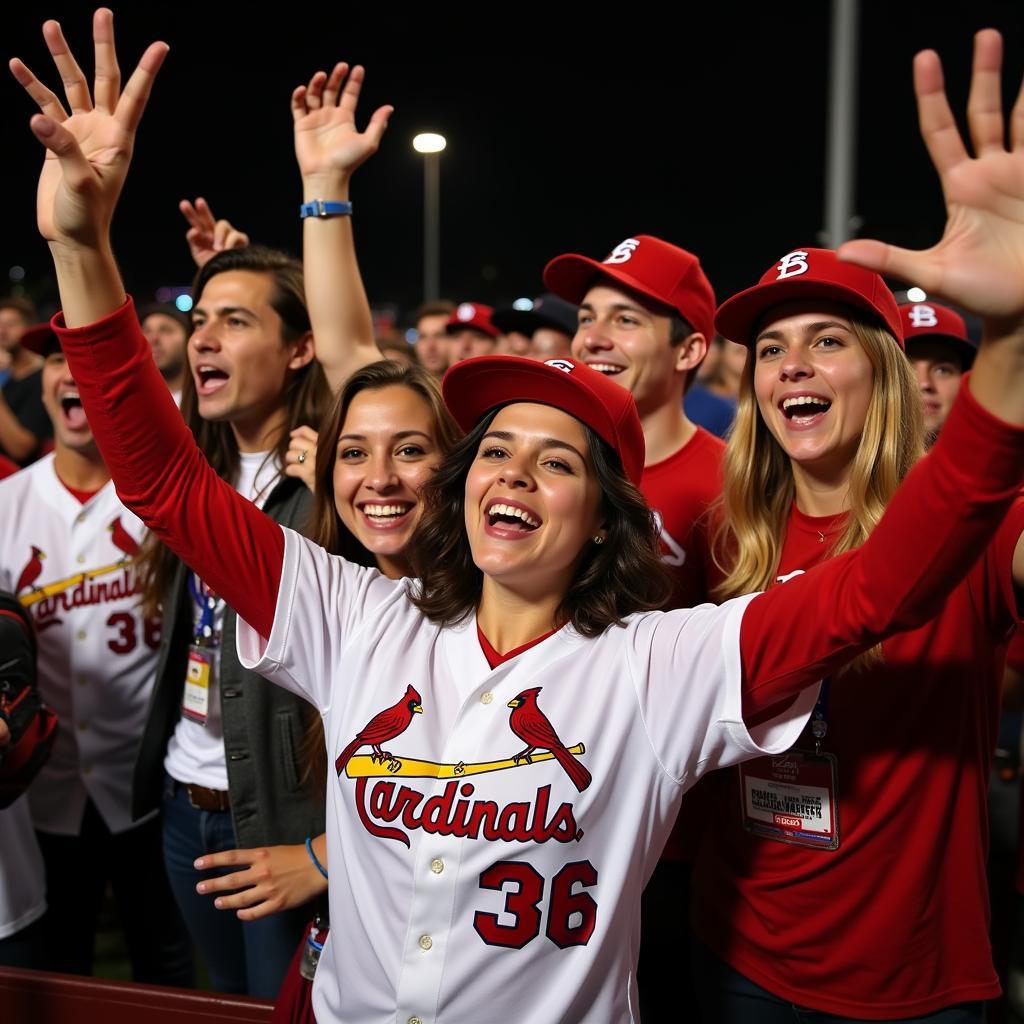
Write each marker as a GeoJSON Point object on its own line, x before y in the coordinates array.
{"type": "Point", "coordinates": [935, 528]}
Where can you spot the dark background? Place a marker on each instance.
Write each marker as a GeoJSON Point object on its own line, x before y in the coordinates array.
{"type": "Point", "coordinates": [568, 130]}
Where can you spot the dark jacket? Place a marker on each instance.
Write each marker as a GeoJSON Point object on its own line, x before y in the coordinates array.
{"type": "Point", "coordinates": [263, 724]}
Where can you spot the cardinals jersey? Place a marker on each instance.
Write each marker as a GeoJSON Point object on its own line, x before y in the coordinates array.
{"type": "Point", "coordinates": [483, 822]}
{"type": "Point", "coordinates": [70, 566]}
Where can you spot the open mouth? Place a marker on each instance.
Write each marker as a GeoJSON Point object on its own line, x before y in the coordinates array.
{"type": "Point", "coordinates": [210, 379]}
{"type": "Point", "coordinates": [608, 369]}
{"type": "Point", "coordinates": [512, 518]}
{"type": "Point", "coordinates": [385, 516]}
{"type": "Point", "coordinates": [72, 411]}
{"type": "Point", "coordinates": [803, 410]}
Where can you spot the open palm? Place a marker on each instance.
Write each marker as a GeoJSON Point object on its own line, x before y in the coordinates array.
{"type": "Point", "coordinates": [88, 151]}
{"type": "Point", "coordinates": [327, 141]}
{"type": "Point", "coordinates": [979, 262]}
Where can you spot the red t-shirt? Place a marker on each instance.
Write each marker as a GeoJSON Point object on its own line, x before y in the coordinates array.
{"type": "Point", "coordinates": [680, 489]}
{"type": "Point", "coordinates": [7, 468]}
{"type": "Point", "coordinates": [894, 923]}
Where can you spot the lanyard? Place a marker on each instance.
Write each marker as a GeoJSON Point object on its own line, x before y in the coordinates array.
{"type": "Point", "coordinates": [819, 717]}
{"type": "Point", "coordinates": [206, 603]}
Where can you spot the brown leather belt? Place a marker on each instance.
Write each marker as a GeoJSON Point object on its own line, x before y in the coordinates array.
{"type": "Point", "coordinates": [203, 799]}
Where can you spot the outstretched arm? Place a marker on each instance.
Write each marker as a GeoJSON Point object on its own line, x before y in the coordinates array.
{"type": "Point", "coordinates": [329, 148]}
{"type": "Point", "coordinates": [946, 512]}
{"type": "Point", "coordinates": [159, 472]}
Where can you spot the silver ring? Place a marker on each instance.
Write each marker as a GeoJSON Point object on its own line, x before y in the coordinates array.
{"type": "Point", "coordinates": [302, 458]}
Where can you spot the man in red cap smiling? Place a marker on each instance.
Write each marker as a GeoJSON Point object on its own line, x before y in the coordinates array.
{"type": "Point", "coordinates": [940, 352]}
{"type": "Point", "coordinates": [646, 319]}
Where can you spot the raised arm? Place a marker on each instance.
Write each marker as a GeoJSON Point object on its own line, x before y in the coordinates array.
{"type": "Point", "coordinates": [329, 148]}
{"type": "Point", "coordinates": [948, 509]}
{"type": "Point", "coordinates": [159, 472]}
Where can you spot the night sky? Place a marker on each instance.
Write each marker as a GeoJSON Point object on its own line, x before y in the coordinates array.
{"type": "Point", "coordinates": [707, 129]}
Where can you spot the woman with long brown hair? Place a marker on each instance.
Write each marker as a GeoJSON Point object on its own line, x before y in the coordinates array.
{"type": "Point", "coordinates": [512, 734]}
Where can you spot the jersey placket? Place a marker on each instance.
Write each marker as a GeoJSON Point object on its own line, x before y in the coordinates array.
{"type": "Point", "coordinates": [438, 862]}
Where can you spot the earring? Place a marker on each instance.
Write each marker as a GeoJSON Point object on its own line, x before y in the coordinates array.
{"type": "Point", "coordinates": [599, 539]}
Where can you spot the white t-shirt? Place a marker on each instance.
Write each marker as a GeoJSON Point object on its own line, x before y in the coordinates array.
{"type": "Point", "coordinates": [195, 752]}
{"type": "Point", "coordinates": [71, 565]}
{"type": "Point", "coordinates": [22, 880]}
{"type": "Point", "coordinates": [467, 885]}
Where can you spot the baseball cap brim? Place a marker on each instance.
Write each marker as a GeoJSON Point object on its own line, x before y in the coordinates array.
{"type": "Point", "coordinates": [967, 349]}
{"type": "Point", "coordinates": [41, 339]}
{"type": "Point", "coordinates": [738, 318]}
{"type": "Point", "coordinates": [473, 387]}
{"type": "Point", "coordinates": [570, 277]}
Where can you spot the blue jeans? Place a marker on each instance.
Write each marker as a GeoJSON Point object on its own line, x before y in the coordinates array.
{"type": "Point", "coordinates": [245, 957]}
{"type": "Point", "coordinates": [728, 997]}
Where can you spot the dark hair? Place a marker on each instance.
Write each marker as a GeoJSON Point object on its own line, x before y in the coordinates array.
{"type": "Point", "coordinates": [621, 576]}
{"type": "Point", "coordinates": [439, 307]}
{"type": "Point", "coordinates": [20, 305]}
{"type": "Point", "coordinates": [326, 527]}
{"type": "Point", "coordinates": [305, 396]}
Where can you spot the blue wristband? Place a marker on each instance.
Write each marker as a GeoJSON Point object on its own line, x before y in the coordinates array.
{"type": "Point", "coordinates": [320, 208]}
{"type": "Point", "coordinates": [312, 857]}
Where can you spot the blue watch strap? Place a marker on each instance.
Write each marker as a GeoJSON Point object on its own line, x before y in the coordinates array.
{"type": "Point", "coordinates": [320, 208]}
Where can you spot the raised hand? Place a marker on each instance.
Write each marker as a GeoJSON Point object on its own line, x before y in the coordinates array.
{"type": "Point", "coordinates": [88, 151]}
{"type": "Point", "coordinates": [979, 262]}
{"type": "Point", "coordinates": [207, 236]}
{"type": "Point", "coordinates": [327, 143]}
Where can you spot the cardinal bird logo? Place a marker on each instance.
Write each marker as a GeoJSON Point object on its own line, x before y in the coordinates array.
{"type": "Point", "coordinates": [123, 540]}
{"type": "Point", "coordinates": [531, 725]}
{"type": "Point", "coordinates": [31, 571]}
{"type": "Point", "coordinates": [391, 722]}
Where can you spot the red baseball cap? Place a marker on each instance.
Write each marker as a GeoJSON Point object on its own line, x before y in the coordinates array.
{"type": "Point", "coordinates": [930, 320]}
{"type": "Point", "coordinates": [41, 339]}
{"type": "Point", "coordinates": [474, 315]}
{"type": "Point", "coordinates": [473, 387]}
{"type": "Point", "coordinates": [809, 274]}
{"type": "Point", "coordinates": [649, 266]}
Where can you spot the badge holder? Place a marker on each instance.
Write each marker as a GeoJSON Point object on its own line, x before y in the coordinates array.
{"type": "Point", "coordinates": [793, 797]}
{"type": "Point", "coordinates": [200, 673]}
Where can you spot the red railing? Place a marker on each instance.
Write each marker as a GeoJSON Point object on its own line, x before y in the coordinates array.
{"type": "Point", "coordinates": [38, 997]}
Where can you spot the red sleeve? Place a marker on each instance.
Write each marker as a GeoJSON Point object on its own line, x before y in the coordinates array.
{"type": "Point", "coordinates": [162, 476]}
{"type": "Point", "coordinates": [937, 525]}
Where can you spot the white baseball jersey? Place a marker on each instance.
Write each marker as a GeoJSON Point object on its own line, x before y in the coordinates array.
{"type": "Point", "coordinates": [487, 862]}
{"type": "Point", "coordinates": [70, 566]}
{"type": "Point", "coordinates": [22, 881]}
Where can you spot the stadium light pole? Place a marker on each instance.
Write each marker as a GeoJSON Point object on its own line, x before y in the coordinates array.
{"type": "Point", "coordinates": [430, 145]}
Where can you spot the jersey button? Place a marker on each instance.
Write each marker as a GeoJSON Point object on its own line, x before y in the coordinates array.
{"type": "Point", "coordinates": [415, 1020]}
{"type": "Point", "coordinates": [426, 942]}
{"type": "Point", "coordinates": [81, 559]}
{"type": "Point", "coordinates": [80, 518]}
{"type": "Point", "coordinates": [80, 634]}
{"type": "Point", "coordinates": [486, 698]}
{"type": "Point", "coordinates": [437, 865]}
